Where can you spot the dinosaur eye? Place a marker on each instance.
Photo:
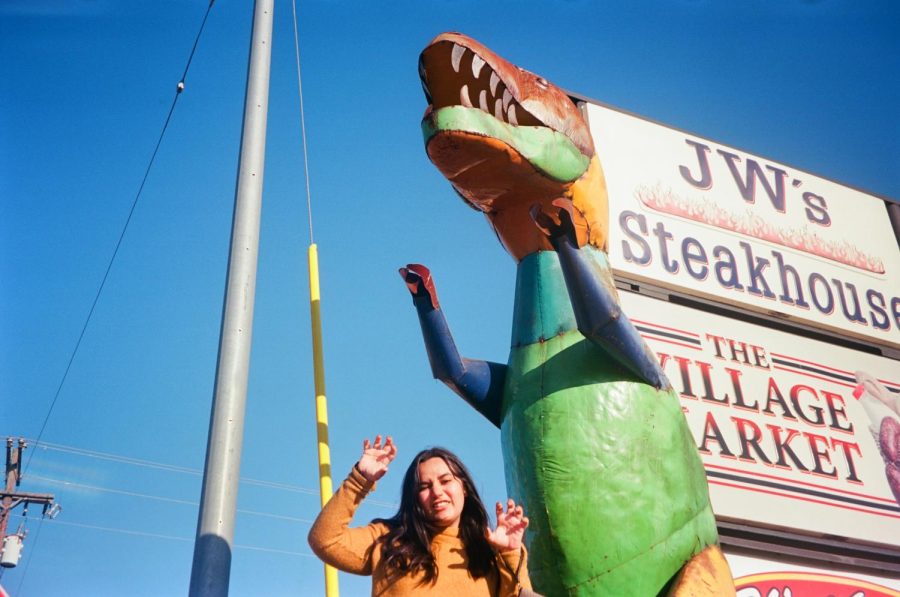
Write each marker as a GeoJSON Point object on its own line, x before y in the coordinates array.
{"type": "Point", "coordinates": [542, 82]}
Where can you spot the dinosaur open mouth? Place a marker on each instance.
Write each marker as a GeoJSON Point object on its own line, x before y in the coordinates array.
{"type": "Point", "coordinates": [458, 72]}
{"type": "Point", "coordinates": [477, 95]}
{"type": "Point", "coordinates": [506, 139]}
{"type": "Point", "coordinates": [455, 75]}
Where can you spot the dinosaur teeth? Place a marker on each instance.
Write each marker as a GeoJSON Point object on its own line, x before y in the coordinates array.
{"type": "Point", "coordinates": [477, 63]}
{"type": "Point", "coordinates": [464, 97]}
{"type": "Point", "coordinates": [511, 115]}
{"type": "Point", "coordinates": [482, 101]}
{"type": "Point", "coordinates": [456, 56]}
{"type": "Point", "coordinates": [498, 109]}
{"type": "Point", "coordinates": [494, 80]}
{"type": "Point", "coordinates": [507, 97]}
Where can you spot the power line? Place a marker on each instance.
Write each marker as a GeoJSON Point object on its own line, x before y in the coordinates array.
{"type": "Point", "coordinates": [167, 537]}
{"type": "Point", "coordinates": [161, 498]}
{"type": "Point", "coordinates": [118, 458]}
{"type": "Point", "coordinates": [178, 89]}
{"type": "Point", "coordinates": [188, 470]}
{"type": "Point", "coordinates": [281, 551]}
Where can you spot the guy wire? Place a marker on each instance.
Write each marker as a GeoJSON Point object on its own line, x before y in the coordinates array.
{"type": "Point", "coordinates": [302, 120]}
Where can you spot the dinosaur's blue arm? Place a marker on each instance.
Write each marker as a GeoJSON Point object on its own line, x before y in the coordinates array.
{"type": "Point", "coordinates": [592, 293]}
{"type": "Point", "coordinates": [480, 383]}
{"type": "Point", "coordinates": [597, 312]}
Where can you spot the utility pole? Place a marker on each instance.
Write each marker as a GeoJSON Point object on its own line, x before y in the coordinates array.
{"type": "Point", "coordinates": [13, 468]}
{"type": "Point", "coordinates": [12, 498]}
{"type": "Point", "coordinates": [211, 569]}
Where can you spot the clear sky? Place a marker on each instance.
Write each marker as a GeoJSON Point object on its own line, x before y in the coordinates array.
{"type": "Point", "coordinates": [86, 87]}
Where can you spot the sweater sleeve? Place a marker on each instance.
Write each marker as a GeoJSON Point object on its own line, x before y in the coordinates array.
{"type": "Point", "coordinates": [514, 571]}
{"type": "Point", "coordinates": [332, 539]}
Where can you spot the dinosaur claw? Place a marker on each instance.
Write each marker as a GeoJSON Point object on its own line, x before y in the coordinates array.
{"type": "Point", "coordinates": [566, 214]}
{"type": "Point", "coordinates": [409, 279]}
{"type": "Point", "coordinates": [547, 224]}
{"type": "Point", "coordinates": [418, 281]}
{"type": "Point", "coordinates": [412, 278]}
{"type": "Point", "coordinates": [543, 222]}
{"type": "Point", "coordinates": [566, 211]}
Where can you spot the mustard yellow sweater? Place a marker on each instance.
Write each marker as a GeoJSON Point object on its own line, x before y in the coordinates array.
{"type": "Point", "coordinates": [356, 550]}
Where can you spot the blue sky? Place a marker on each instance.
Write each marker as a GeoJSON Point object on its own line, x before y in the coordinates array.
{"type": "Point", "coordinates": [87, 87]}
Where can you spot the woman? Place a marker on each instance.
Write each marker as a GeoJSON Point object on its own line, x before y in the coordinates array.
{"type": "Point", "coordinates": [438, 543]}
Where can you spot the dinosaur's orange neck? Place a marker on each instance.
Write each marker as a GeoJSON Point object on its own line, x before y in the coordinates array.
{"type": "Point", "coordinates": [512, 221]}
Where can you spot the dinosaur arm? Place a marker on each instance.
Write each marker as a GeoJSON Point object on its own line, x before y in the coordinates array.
{"type": "Point", "coordinates": [480, 383]}
{"type": "Point", "coordinates": [595, 302]}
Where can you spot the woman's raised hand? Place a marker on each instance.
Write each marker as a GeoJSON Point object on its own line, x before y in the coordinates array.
{"type": "Point", "coordinates": [510, 529]}
{"type": "Point", "coordinates": [376, 457]}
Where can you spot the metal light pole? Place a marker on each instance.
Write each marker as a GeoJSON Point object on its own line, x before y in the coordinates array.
{"type": "Point", "coordinates": [215, 526]}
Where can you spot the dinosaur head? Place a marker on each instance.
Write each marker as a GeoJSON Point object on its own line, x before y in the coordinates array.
{"type": "Point", "coordinates": [507, 139]}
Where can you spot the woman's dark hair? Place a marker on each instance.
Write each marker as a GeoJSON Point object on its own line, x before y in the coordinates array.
{"type": "Point", "coordinates": [406, 547]}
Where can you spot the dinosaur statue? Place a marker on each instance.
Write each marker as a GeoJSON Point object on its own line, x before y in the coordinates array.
{"type": "Point", "coordinates": [594, 440]}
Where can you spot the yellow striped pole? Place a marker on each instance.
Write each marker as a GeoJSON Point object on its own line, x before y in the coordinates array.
{"type": "Point", "coordinates": [325, 487]}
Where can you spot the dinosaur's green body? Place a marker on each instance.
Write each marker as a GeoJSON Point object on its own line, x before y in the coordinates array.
{"type": "Point", "coordinates": [615, 491]}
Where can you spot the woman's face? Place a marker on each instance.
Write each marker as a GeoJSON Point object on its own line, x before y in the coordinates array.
{"type": "Point", "coordinates": [440, 493]}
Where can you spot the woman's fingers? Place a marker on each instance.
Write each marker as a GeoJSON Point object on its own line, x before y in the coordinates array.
{"type": "Point", "coordinates": [513, 519]}
{"type": "Point", "coordinates": [511, 508]}
{"type": "Point", "coordinates": [388, 450]}
{"type": "Point", "coordinates": [379, 454]}
{"type": "Point", "coordinates": [388, 444]}
{"type": "Point", "coordinates": [376, 457]}
{"type": "Point", "coordinates": [511, 525]}
{"type": "Point", "coordinates": [512, 511]}
{"type": "Point", "coordinates": [367, 444]}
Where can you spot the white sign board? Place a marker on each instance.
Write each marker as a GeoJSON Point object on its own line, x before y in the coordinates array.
{"type": "Point", "coordinates": [793, 432]}
{"type": "Point", "coordinates": [709, 220]}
